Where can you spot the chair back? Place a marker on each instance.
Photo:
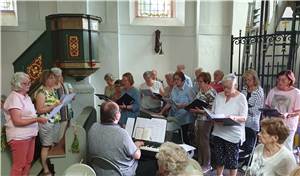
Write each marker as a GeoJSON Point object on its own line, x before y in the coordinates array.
{"type": "Point", "coordinates": [174, 131]}
{"type": "Point", "coordinates": [103, 166]}
{"type": "Point", "coordinates": [79, 170]}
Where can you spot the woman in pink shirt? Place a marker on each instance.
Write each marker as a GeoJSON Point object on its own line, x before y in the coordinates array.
{"type": "Point", "coordinates": [21, 124]}
{"type": "Point", "coordinates": [286, 99]}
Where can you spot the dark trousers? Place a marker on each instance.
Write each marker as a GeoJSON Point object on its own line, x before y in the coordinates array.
{"type": "Point", "coordinates": [249, 144]}
{"type": "Point", "coordinates": [186, 133]}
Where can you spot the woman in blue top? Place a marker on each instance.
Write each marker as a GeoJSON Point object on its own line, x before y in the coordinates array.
{"type": "Point", "coordinates": [132, 110]}
{"type": "Point", "coordinates": [181, 96]}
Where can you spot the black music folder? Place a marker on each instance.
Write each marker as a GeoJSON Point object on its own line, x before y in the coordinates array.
{"type": "Point", "coordinates": [221, 118]}
{"type": "Point", "coordinates": [103, 97]}
{"type": "Point", "coordinates": [197, 103]}
{"type": "Point", "coordinates": [148, 92]}
{"type": "Point", "coordinates": [269, 112]}
{"type": "Point", "coordinates": [125, 99]}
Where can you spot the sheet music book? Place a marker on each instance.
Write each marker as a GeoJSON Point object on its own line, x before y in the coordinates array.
{"type": "Point", "coordinates": [125, 99]}
{"type": "Point", "coordinates": [221, 118]}
{"type": "Point", "coordinates": [197, 103]}
{"type": "Point", "coordinates": [103, 97]}
{"type": "Point", "coordinates": [151, 114]}
{"type": "Point", "coordinates": [129, 125]}
{"type": "Point", "coordinates": [187, 148]}
{"type": "Point", "coordinates": [146, 129]}
{"type": "Point", "coordinates": [64, 101]}
{"type": "Point", "coordinates": [271, 112]}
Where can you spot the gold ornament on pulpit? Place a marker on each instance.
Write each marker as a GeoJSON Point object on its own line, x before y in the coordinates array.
{"type": "Point", "coordinates": [34, 70]}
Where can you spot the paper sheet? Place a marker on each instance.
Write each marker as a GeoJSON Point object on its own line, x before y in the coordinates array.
{"type": "Point", "coordinates": [149, 129]}
{"type": "Point", "coordinates": [129, 125]}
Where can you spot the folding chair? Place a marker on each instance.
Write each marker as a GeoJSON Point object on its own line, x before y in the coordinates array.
{"type": "Point", "coordinates": [103, 166]}
{"type": "Point", "coordinates": [79, 170]}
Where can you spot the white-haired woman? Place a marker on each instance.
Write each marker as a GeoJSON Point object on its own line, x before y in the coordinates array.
{"type": "Point", "coordinates": [63, 89]}
{"type": "Point", "coordinates": [21, 124]}
{"type": "Point", "coordinates": [172, 160]}
{"type": "Point", "coordinates": [232, 104]}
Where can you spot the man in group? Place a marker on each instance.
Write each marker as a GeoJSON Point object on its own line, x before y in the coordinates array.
{"type": "Point", "coordinates": [108, 140]}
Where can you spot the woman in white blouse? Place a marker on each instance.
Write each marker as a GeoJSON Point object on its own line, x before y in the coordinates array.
{"type": "Point", "coordinates": [227, 139]}
{"type": "Point", "coordinates": [271, 157]}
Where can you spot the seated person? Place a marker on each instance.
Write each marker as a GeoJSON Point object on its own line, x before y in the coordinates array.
{"type": "Point", "coordinates": [173, 160]}
{"type": "Point", "coordinates": [120, 149]}
{"type": "Point", "coordinates": [151, 102]}
{"type": "Point", "coordinates": [271, 157]}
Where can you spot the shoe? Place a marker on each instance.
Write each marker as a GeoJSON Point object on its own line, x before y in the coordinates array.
{"type": "Point", "coordinates": [206, 169]}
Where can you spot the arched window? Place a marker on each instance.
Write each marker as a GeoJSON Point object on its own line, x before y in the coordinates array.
{"type": "Point", "coordinates": [155, 8]}
{"type": "Point", "coordinates": [157, 12]}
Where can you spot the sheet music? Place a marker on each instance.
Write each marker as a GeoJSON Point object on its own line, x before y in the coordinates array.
{"type": "Point", "coordinates": [68, 98]}
{"type": "Point", "coordinates": [55, 111]}
{"type": "Point", "coordinates": [214, 116]}
{"type": "Point", "coordinates": [187, 148]}
{"type": "Point", "coordinates": [150, 129]}
{"type": "Point", "coordinates": [129, 125]}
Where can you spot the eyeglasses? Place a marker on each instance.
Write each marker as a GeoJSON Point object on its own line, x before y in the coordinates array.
{"type": "Point", "coordinates": [26, 83]}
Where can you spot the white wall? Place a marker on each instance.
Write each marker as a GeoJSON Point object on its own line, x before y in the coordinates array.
{"type": "Point", "coordinates": [136, 45]}
{"type": "Point", "coordinates": [213, 34]}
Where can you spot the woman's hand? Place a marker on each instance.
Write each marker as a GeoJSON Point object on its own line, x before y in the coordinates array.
{"type": "Point", "coordinates": [181, 106]}
{"type": "Point", "coordinates": [41, 120]}
{"type": "Point", "coordinates": [197, 110]}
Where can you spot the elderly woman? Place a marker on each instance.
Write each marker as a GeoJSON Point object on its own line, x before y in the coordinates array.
{"type": "Point", "coordinates": [255, 98]}
{"type": "Point", "coordinates": [181, 96]}
{"type": "Point", "coordinates": [151, 102]}
{"type": "Point", "coordinates": [286, 99]}
{"type": "Point", "coordinates": [173, 160]}
{"type": "Point", "coordinates": [63, 89]}
{"type": "Point", "coordinates": [217, 83]}
{"type": "Point", "coordinates": [21, 124]}
{"type": "Point", "coordinates": [195, 80]}
{"type": "Point", "coordinates": [271, 157]}
{"type": "Point", "coordinates": [203, 125]}
{"type": "Point", "coordinates": [118, 90]}
{"type": "Point", "coordinates": [227, 139]}
{"type": "Point", "coordinates": [109, 90]}
{"type": "Point", "coordinates": [132, 110]}
{"type": "Point", "coordinates": [46, 101]}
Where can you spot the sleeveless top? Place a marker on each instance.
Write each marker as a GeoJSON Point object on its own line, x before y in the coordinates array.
{"type": "Point", "coordinates": [51, 98]}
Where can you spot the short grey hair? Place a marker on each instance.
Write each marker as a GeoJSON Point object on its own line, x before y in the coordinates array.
{"type": "Point", "coordinates": [147, 74]}
{"type": "Point", "coordinates": [56, 71]}
{"type": "Point", "coordinates": [17, 79]}
{"type": "Point", "coordinates": [230, 77]}
{"type": "Point", "coordinates": [108, 76]}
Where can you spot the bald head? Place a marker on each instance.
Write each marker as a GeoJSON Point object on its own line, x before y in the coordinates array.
{"type": "Point", "coordinates": [110, 112]}
{"type": "Point", "coordinates": [180, 68]}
